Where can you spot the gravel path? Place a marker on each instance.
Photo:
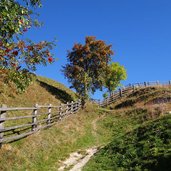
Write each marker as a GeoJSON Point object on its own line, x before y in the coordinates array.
{"type": "Point", "coordinates": [83, 161]}
{"type": "Point", "coordinates": [76, 161]}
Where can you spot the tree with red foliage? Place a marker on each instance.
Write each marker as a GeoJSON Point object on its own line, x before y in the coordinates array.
{"type": "Point", "coordinates": [87, 66]}
{"type": "Point", "coordinates": [19, 58]}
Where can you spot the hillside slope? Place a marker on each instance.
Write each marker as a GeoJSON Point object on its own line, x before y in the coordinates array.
{"type": "Point", "coordinates": [147, 145]}
{"type": "Point", "coordinates": [42, 91]}
{"type": "Point", "coordinates": [46, 149]}
{"type": "Point", "coordinates": [144, 97]}
{"type": "Point", "coordinates": [113, 130]}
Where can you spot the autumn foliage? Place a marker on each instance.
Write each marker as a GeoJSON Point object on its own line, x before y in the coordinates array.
{"type": "Point", "coordinates": [20, 57]}
{"type": "Point", "coordinates": [87, 65]}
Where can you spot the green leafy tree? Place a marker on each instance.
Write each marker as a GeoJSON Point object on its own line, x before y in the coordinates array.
{"type": "Point", "coordinates": [86, 66]}
{"type": "Point", "coordinates": [115, 73]}
{"type": "Point", "coordinates": [19, 57]}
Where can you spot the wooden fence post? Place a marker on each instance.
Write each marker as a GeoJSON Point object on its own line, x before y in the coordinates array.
{"type": "Point", "coordinates": [76, 106]}
{"type": "Point", "coordinates": [34, 118]}
{"type": "Point", "coordinates": [49, 114]}
{"type": "Point", "coordinates": [72, 107]}
{"type": "Point", "coordinates": [2, 117]}
{"type": "Point", "coordinates": [67, 108]}
{"type": "Point", "coordinates": [120, 92]}
{"type": "Point", "coordinates": [79, 102]}
{"type": "Point", "coordinates": [60, 112]}
{"type": "Point", "coordinates": [133, 87]}
{"type": "Point", "coordinates": [145, 84]}
{"type": "Point", "coordinates": [106, 102]}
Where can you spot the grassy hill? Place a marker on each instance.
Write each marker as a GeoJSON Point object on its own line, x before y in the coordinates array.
{"type": "Point", "coordinates": [44, 149]}
{"type": "Point", "coordinates": [41, 91]}
{"type": "Point", "coordinates": [122, 133]}
{"type": "Point", "coordinates": [144, 96]}
{"type": "Point", "coordinates": [147, 145]}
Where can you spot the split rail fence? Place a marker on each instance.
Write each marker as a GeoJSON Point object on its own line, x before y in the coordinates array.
{"type": "Point", "coordinates": [121, 92]}
{"type": "Point", "coordinates": [31, 119]}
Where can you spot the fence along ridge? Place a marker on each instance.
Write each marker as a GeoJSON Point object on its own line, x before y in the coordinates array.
{"type": "Point", "coordinates": [123, 91]}
{"type": "Point", "coordinates": [34, 121]}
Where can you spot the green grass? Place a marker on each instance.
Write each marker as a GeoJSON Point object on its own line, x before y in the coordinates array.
{"type": "Point", "coordinates": [141, 134]}
{"type": "Point", "coordinates": [147, 147]}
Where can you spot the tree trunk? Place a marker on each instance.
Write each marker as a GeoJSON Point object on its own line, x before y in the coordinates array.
{"type": "Point", "coordinates": [83, 102]}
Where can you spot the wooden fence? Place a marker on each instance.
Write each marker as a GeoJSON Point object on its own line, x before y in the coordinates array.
{"type": "Point", "coordinates": [121, 92]}
{"type": "Point", "coordinates": [31, 119]}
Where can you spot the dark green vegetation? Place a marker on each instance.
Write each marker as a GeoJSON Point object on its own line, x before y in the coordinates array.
{"type": "Point", "coordinates": [146, 145]}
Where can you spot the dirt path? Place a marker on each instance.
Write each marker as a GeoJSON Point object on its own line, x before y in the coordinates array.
{"type": "Point", "coordinates": [77, 160]}
{"type": "Point", "coordinates": [94, 125]}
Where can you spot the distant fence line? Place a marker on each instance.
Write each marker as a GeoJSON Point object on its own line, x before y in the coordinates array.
{"type": "Point", "coordinates": [121, 92]}
{"type": "Point", "coordinates": [39, 117]}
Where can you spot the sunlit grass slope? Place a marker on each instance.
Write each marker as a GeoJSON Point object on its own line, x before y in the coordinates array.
{"type": "Point", "coordinates": [42, 91]}
{"type": "Point", "coordinates": [43, 150]}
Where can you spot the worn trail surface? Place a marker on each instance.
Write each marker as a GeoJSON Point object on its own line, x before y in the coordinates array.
{"type": "Point", "coordinates": [77, 160]}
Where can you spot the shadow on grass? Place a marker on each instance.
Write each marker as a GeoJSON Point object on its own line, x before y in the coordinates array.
{"type": "Point", "coordinates": [62, 95]}
{"type": "Point", "coordinates": [163, 164]}
{"type": "Point", "coordinates": [127, 103]}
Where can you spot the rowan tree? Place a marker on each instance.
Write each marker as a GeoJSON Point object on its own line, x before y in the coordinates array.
{"type": "Point", "coordinates": [16, 17]}
{"type": "Point", "coordinates": [86, 66]}
{"type": "Point", "coordinates": [115, 73]}
{"type": "Point", "coordinates": [19, 57]}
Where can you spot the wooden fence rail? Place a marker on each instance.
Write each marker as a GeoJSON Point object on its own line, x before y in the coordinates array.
{"type": "Point", "coordinates": [121, 92]}
{"type": "Point", "coordinates": [31, 119]}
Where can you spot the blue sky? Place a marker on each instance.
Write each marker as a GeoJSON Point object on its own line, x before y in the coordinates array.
{"type": "Point", "coordinates": [139, 31]}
